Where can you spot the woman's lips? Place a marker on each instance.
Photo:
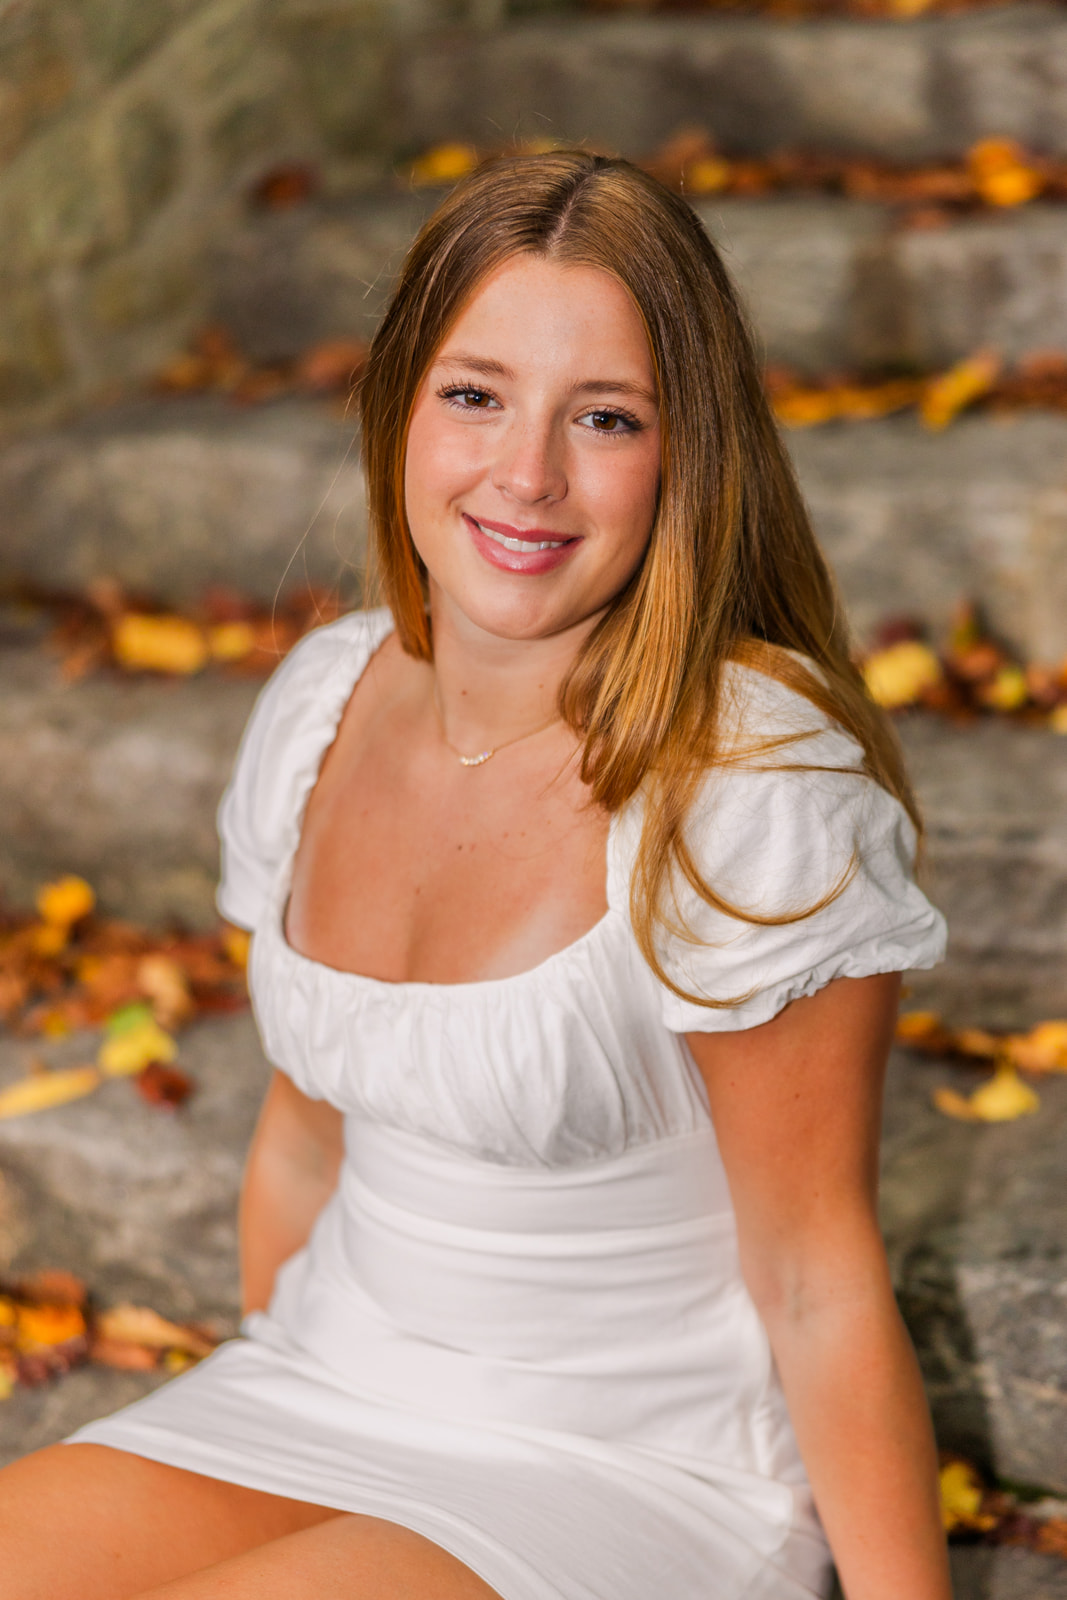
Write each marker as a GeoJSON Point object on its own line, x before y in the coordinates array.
{"type": "Point", "coordinates": [527, 550]}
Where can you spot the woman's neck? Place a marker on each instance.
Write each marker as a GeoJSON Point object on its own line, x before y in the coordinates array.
{"type": "Point", "coordinates": [489, 690]}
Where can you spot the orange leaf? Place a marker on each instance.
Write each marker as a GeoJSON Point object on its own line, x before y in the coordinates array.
{"type": "Point", "coordinates": [946, 396]}
{"type": "Point", "coordinates": [145, 643]}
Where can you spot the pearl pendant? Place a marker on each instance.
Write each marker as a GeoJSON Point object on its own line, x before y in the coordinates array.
{"type": "Point", "coordinates": [476, 761]}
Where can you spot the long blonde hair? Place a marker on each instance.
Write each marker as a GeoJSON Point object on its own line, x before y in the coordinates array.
{"type": "Point", "coordinates": [732, 570]}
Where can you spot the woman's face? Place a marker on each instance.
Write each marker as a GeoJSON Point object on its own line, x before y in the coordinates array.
{"type": "Point", "coordinates": [533, 456]}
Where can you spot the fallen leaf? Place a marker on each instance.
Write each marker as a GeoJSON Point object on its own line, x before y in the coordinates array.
{"type": "Point", "coordinates": [1002, 173]}
{"type": "Point", "coordinates": [1003, 1098]}
{"type": "Point", "coordinates": [163, 981]}
{"type": "Point", "coordinates": [1043, 1049]}
{"type": "Point", "coordinates": [946, 396]}
{"type": "Point", "coordinates": [898, 676]}
{"type": "Point", "coordinates": [961, 1497]}
{"type": "Point", "coordinates": [1006, 691]}
{"type": "Point", "coordinates": [125, 1357]}
{"type": "Point", "coordinates": [135, 1048]}
{"type": "Point", "coordinates": [444, 164]}
{"type": "Point", "coordinates": [48, 1324]}
{"type": "Point", "coordinates": [167, 1087]}
{"type": "Point", "coordinates": [169, 644]}
{"type": "Point", "coordinates": [53, 1286]}
{"type": "Point", "coordinates": [288, 184]}
{"type": "Point", "coordinates": [65, 902]}
{"type": "Point", "coordinates": [45, 1090]}
{"type": "Point", "coordinates": [231, 641]}
{"type": "Point", "coordinates": [330, 367]}
{"type": "Point", "coordinates": [130, 1324]}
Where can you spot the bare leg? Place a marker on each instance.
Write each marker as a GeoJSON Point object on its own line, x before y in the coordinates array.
{"type": "Point", "coordinates": [100, 1524]}
{"type": "Point", "coordinates": [348, 1558]}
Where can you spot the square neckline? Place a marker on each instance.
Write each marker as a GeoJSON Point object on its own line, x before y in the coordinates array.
{"type": "Point", "coordinates": [278, 906]}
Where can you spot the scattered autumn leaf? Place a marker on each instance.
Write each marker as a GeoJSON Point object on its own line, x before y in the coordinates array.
{"type": "Point", "coordinates": [65, 902]}
{"type": "Point", "coordinates": [134, 1045]}
{"type": "Point", "coordinates": [288, 184]}
{"type": "Point", "coordinates": [149, 643]}
{"type": "Point", "coordinates": [945, 397]}
{"type": "Point", "coordinates": [1003, 1098]}
{"type": "Point", "coordinates": [961, 1497]}
{"type": "Point", "coordinates": [443, 164]}
{"type": "Point", "coordinates": [45, 1090]}
{"type": "Point", "coordinates": [166, 1087]}
{"type": "Point", "coordinates": [1003, 173]}
{"type": "Point", "coordinates": [129, 1324]}
{"type": "Point", "coordinates": [898, 675]}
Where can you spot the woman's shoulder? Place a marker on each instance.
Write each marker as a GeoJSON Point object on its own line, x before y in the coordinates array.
{"type": "Point", "coordinates": [762, 718]}
{"type": "Point", "coordinates": [292, 724]}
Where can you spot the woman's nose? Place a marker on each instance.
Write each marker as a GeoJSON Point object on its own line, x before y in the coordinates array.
{"type": "Point", "coordinates": [530, 465]}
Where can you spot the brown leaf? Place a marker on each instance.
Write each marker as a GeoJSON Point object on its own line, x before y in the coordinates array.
{"type": "Point", "coordinates": [166, 1087]}
{"type": "Point", "coordinates": [123, 1355]}
{"type": "Point", "coordinates": [290, 183]}
{"type": "Point", "coordinates": [330, 367]}
{"type": "Point", "coordinates": [52, 1286]}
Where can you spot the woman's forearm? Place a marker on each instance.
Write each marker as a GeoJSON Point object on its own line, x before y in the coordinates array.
{"type": "Point", "coordinates": [855, 1395]}
{"type": "Point", "coordinates": [290, 1174]}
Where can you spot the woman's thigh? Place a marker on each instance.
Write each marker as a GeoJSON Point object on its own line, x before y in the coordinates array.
{"type": "Point", "coordinates": [100, 1524]}
{"type": "Point", "coordinates": [349, 1558]}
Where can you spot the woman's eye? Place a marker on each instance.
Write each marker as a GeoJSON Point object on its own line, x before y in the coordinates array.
{"type": "Point", "coordinates": [469, 399]}
{"type": "Point", "coordinates": [609, 422]}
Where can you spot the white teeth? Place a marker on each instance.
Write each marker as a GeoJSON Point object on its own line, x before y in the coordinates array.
{"type": "Point", "coordinates": [523, 546]}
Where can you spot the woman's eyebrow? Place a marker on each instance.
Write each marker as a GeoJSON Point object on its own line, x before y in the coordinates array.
{"type": "Point", "coordinates": [488, 368]}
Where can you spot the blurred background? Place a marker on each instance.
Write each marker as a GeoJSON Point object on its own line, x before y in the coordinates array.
{"type": "Point", "coordinates": [203, 204]}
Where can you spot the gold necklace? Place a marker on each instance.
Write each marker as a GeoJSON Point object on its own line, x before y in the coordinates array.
{"type": "Point", "coordinates": [485, 755]}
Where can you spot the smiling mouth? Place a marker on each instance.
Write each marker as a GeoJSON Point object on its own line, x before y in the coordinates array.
{"type": "Point", "coordinates": [524, 547]}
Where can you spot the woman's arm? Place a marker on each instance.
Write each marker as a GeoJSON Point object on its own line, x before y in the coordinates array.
{"type": "Point", "coordinates": [796, 1105]}
{"type": "Point", "coordinates": [290, 1174]}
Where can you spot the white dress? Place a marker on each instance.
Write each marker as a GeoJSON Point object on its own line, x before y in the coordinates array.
{"type": "Point", "coordinates": [519, 1326]}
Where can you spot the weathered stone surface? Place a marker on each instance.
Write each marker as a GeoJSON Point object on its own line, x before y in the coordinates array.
{"type": "Point", "coordinates": [908, 92]}
{"type": "Point", "coordinates": [914, 520]}
{"type": "Point", "coordinates": [979, 1574]}
{"type": "Point", "coordinates": [148, 155]}
{"type": "Point", "coordinates": [142, 1203]}
{"type": "Point", "coordinates": [32, 354]}
{"type": "Point", "coordinates": [976, 1222]}
{"type": "Point", "coordinates": [830, 283]}
{"type": "Point", "coordinates": [282, 282]}
{"type": "Point", "coordinates": [117, 780]}
{"type": "Point", "coordinates": [36, 76]}
{"type": "Point", "coordinates": [995, 801]}
{"type": "Point", "coordinates": [173, 497]}
{"type": "Point", "coordinates": [119, 32]}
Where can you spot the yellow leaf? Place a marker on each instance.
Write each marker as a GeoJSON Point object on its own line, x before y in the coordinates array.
{"type": "Point", "coordinates": [132, 1050]}
{"type": "Point", "coordinates": [1008, 690]}
{"type": "Point", "coordinates": [1043, 1049]}
{"type": "Point", "coordinates": [806, 408]}
{"type": "Point", "coordinates": [128, 1324]}
{"type": "Point", "coordinates": [231, 641]}
{"type": "Point", "coordinates": [8, 1375]}
{"type": "Point", "coordinates": [444, 164]}
{"type": "Point", "coordinates": [917, 1025]}
{"type": "Point", "coordinates": [47, 1089]}
{"type": "Point", "coordinates": [946, 396]}
{"type": "Point", "coordinates": [49, 938]}
{"type": "Point", "coordinates": [7, 1312]}
{"type": "Point", "coordinates": [236, 942]}
{"type": "Point", "coordinates": [65, 902]}
{"type": "Point", "coordinates": [898, 675]}
{"type": "Point", "coordinates": [39, 1325]}
{"type": "Point", "coordinates": [1002, 174]}
{"type": "Point", "coordinates": [961, 1497]}
{"type": "Point", "coordinates": [1058, 719]}
{"type": "Point", "coordinates": [158, 644]}
{"type": "Point", "coordinates": [707, 175]}
{"type": "Point", "coordinates": [1001, 1099]}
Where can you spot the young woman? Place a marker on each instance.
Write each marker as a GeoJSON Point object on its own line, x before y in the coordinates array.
{"type": "Point", "coordinates": [580, 879]}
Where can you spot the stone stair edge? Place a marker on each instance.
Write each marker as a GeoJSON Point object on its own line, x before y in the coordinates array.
{"type": "Point", "coordinates": [831, 281]}
{"type": "Point", "coordinates": [925, 87]}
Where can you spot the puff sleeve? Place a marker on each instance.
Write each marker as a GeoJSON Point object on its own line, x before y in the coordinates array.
{"type": "Point", "coordinates": [777, 842]}
{"type": "Point", "coordinates": [292, 725]}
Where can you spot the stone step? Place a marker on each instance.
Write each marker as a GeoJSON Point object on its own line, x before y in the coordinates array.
{"type": "Point", "coordinates": [830, 282]}
{"type": "Point", "coordinates": [173, 496]}
{"type": "Point", "coordinates": [118, 780]}
{"type": "Point", "coordinates": [900, 90]}
{"type": "Point", "coordinates": [143, 1204]}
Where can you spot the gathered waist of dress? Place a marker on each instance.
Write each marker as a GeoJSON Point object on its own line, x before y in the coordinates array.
{"type": "Point", "coordinates": [668, 1182]}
